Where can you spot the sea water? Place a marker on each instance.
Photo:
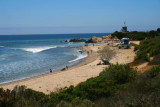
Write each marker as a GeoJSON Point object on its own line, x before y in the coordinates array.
{"type": "Point", "coordinates": [25, 56]}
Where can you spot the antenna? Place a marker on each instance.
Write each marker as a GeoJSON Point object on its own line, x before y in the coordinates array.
{"type": "Point", "coordinates": [125, 23]}
{"type": "Point", "coordinates": [124, 28]}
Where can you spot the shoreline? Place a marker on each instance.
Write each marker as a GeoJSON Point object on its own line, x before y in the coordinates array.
{"type": "Point", "coordinates": [86, 61]}
{"type": "Point", "coordinates": [53, 82]}
{"type": "Point", "coordinates": [89, 59]}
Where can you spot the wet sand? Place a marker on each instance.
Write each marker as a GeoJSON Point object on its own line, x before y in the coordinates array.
{"type": "Point", "coordinates": [53, 82]}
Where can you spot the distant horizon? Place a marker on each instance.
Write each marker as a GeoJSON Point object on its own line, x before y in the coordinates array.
{"type": "Point", "coordinates": [75, 33]}
{"type": "Point", "coordinates": [63, 17]}
{"type": "Point", "coordinates": [53, 34]}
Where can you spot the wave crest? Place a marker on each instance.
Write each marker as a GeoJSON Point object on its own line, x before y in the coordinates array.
{"type": "Point", "coordinates": [79, 56]}
{"type": "Point", "coordinates": [39, 49]}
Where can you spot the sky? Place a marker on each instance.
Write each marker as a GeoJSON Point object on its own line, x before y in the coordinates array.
{"type": "Point", "coordinates": [77, 16]}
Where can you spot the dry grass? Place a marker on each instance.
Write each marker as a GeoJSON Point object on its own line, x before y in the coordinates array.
{"type": "Point", "coordinates": [106, 53]}
{"type": "Point", "coordinates": [137, 62]}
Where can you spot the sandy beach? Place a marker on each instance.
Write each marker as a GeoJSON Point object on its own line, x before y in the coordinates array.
{"type": "Point", "coordinates": [52, 82]}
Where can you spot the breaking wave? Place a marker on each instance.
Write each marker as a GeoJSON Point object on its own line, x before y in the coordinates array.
{"type": "Point", "coordinates": [80, 55]}
{"type": "Point", "coordinates": [38, 49]}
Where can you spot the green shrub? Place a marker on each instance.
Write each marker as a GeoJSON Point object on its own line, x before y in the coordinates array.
{"type": "Point", "coordinates": [142, 55]}
{"type": "Point", "coordinates": [132, 35]}
{"type": "Point", "coordinates": [108, 82]}
{"type": "Point", "coordinates": [120, 73]}
{"type": "Point", "coordinates": [118, 85]}
{"type": "Point", "coordinates": [77, 102]}
{"type": "Point", "coordinates": [6, 98]}
{"type": "Point", "coordinates": [154, 71]}
{"type": "Point", "coordinates": [156, 60]}
{"type": "Point", "coordinates": [144, 91]}
{"type": "Point", "coordinates": [148, 48]}
{"type": "Point", "coordinates": [136, 47]}
{"type": "Point", "coordinates": [91, 89]}
{"type": "Point", "coordinates": [155, 50]}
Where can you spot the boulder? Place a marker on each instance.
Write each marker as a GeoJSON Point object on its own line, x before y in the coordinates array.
{"type": "Point", "coordinates": [77, 40]}
{"type": "Point", "coordinates": [94, 39]}
{"type": "Point", "coordinates": [108, 37]}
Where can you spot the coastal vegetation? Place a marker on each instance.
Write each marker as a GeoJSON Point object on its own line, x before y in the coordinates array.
{"type": "Point", "coordinates": [147, 49]}
{"type": "Point", "coordinates": [106, 84]}
{"type": "Point", "coordinates": [135, 35]}
{"type": "Point", "coordinates": [117, 85]}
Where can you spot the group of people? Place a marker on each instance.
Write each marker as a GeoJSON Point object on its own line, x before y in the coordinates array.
{"type": "Point", "coordinates": [89, 52]}
{"type": "Point", "coordinates": [64, 68]}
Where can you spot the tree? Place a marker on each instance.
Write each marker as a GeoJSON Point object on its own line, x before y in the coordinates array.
{"type": "Point", "coordinates": [152, 34]}
{"type": "Point", "coordinates": [158, 30]}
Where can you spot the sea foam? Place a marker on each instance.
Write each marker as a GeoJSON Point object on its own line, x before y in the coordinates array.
{"type": "Point", "coordinates": [38, 49]}
{"type": "Point", "coordinates": [80, 55]}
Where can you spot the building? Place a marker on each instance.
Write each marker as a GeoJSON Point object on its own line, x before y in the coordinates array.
{"type": "Point", "coordinates": [124, 28]}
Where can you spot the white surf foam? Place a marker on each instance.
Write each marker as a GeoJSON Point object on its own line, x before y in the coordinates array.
{"type": "Point", "coordinates": [79, 56]}
{"type": "Point", "coordinates": [38, 49]}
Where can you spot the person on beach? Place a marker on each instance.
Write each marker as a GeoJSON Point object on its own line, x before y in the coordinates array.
{"type": "Point", "coordinates": [50, 70]}
{"type": "Point", "coordinates": [66, 67]}
{"type": "Point", "coordinates": [100, 63]}
{"type": "Point", "coordinates": [63, 69]}
{"type": "Point", "coordinates": [91, 51]}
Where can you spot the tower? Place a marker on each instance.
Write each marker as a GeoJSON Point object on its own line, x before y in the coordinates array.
{"type": "Point", "coordinates": [124, 28]}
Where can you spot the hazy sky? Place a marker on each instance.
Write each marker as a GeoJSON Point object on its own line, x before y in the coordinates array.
{"type": "Point", "coordinates": [77, 16]}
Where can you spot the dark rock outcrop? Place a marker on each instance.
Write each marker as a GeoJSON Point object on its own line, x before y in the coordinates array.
{"type": "Point", "coordinates": [77, 40]}
{"type": "Point", "coordinates": [66, 40]}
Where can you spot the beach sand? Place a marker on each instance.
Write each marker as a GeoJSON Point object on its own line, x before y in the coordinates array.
{"type": "Point", "coordinates": [53, 82]}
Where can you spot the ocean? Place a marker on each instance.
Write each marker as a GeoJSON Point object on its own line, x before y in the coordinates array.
{"type": "Point", "coordinates": [25, 56]}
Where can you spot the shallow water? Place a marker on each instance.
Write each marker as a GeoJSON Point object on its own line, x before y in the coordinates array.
{"type": "Point", "coordinates": [24, 56]}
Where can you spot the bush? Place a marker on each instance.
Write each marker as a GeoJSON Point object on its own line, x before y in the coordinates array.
{"type": "Point", "coordinates": [155, 71]}
{"type": "Point", "coordinates": [142, 55]}
{"type": "Point", "coordinates": [77, 102]}
{"type": "Point", "coordinates": [143, 92]}
{"type": "Point", "coordinates": [132, 35]}
{"type": "Point", "coordinates": [158, 30]}
{"type": "Point", "coordinates": [91, 89]}
{"type": "Point", "coordinates": [148, 48]}
{"type": "Point", "coordinates": [135, 46]}
{"type": "Point", "coordinates": [7, 99]}
{"type": "Point", "coordinates": [109, 81]}
{"type": "Point", "coordinates": [152, 34]}
{"type": "Point", "coordinates": [156, 60]}
{"type": "Point", "coordinates": [120, 73]}
{"type": "Point", "coordinates": [118, 85]}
